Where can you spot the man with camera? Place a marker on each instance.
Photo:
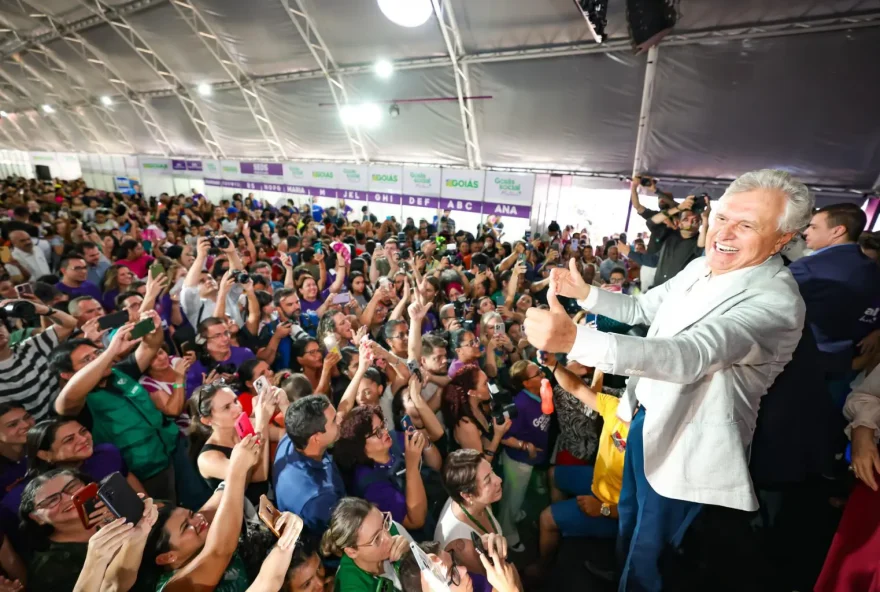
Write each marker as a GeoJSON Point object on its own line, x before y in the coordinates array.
{"type": "Point", "coordinates": [24, 369]}
{"type": "Point", "coordinates": [721, 331]}
{"type": "Point", "coordinates": [690, 220]}
{"type": "Point", "coordinates": [198, 298]}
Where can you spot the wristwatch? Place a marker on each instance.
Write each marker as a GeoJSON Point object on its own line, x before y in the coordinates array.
{"type": "Point", "coordinates": [605, 510]}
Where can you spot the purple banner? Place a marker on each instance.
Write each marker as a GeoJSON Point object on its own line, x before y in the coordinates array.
{"type": "Point", "coordinates": [194, 165]}
{"type": "Point", "coordinates": [458, 205]}
{"type": "Point", "coordinates": [178, 165]}
{"type": "Point", "coordinates": [275, 169]}
{"type": "Point", "coordinates": [506, 210]}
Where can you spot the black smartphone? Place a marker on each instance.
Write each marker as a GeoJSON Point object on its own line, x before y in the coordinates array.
{"type": "Point", "coordinates": [120, 498]}
{"type": "Point", "coordinates": [478, 545]}
{"type": "Point", "coordinates": [143, 328]}
{"type": "Point", "coordinates": [646, 181]}
{"type": "Point", "coordinates": [401, 238]}
{"type": "Point", "coordinates": [113, 320]}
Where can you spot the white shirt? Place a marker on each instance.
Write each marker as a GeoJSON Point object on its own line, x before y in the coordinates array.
{"type": "Point", "coordinates": [863, 405]}
{"type": "Point", "coordinates": [450, 528]}
{"type": "Point", "coordinates": [35, 262]}
{"type": "Point", "coordinates": [192, 305]}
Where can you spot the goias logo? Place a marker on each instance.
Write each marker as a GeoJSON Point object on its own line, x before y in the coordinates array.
{"type": "Point", "coordinates": [463, 183]}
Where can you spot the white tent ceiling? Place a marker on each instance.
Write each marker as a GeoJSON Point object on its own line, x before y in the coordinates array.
{"type": "Point", "coordinates": [739, 85]}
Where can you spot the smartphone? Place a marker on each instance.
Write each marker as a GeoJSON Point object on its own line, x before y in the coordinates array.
{"type": "Point", "coordinates": [574, 244]}
{"type": "Point", "coordinates": [156, 269]}
{"type": "Point", "coordinates": [407, 423]}
{"type": "Point", "coordinates": [451, 247]}
{"type": "Point", "coordinates": [85, 501]}
{"type": "Point", "coordinates": [401, 238]}
{"type": "Point", "coordinates": [499, 328]}
{"type": "Point", "coordinates": [269, 514]}
{"type": "Point", "coordinates": [481, 268]}
{"type": "Point", "coordinates": [5, 255]}
{"type": "Point", "coordinates": [113, 320]}
{"type": "Point", "coordinates": [342, 298]}
{"type": "Point", "coordinates": [120, 498]}
{"type": "Point", "coordinates": [261, 384]}
{"type": "Point", "coordinates": [527, 235]}
{"type": "Point", "coordinates": [243, 426]}
{"type": "Point", "coordinates": [143, 328]}
{"type": "Point", "coordinates": [433, 573]}
{"type": "Point", "coordinates": [478, 546]}
{"type": "Point", "coordinates": [23, 289]}
{"type": "Point", "coordinates": [317, 247]}
{"type": "Point", "coordinates": [522, 258]}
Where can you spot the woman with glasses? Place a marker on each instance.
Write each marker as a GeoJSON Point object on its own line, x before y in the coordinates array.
{"type": "Point", "coordinates": [466, 347]}
{"type": "Point", "coordinates": [370, 545]}
{"type": "Point", "coordinates": [62, 442]}
{"type": "Point", "coordinates": [384, 466]}
{"type": "Point", "coordinates": [312, 362]}
{"type": "Point", "coordinates": [463, 413]}
{"type": "Point", "coordinates": [213, 435]}
{"type": "Point", "coordinates": [59, 542]}
{"type": "Point", "coordinates": [447, 567]}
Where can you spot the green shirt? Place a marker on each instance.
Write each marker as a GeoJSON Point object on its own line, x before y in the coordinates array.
{"type": "Point", "coordinates": [125, 416]}
{"type": "Point", "coordinates": [351, 578]}
{"type": "Point", "coordinates": [234, 578]}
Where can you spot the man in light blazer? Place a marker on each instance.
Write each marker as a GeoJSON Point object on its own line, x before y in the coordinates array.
{"type": "Point", "coordinates": [721, 331]}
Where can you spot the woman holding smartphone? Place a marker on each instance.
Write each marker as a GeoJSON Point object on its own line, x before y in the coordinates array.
{"type": "Point", "coordinates": [216, 429]}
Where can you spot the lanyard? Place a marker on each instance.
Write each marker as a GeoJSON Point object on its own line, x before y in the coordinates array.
{"type": "Point", "coordinates": [478, 523]}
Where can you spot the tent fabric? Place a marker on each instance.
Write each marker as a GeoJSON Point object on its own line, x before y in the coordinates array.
{"type": "Point", "coordinates": [803, 102]}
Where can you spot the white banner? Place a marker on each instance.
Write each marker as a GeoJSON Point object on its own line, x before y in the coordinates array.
{"type": "Point", "coordinates": [463, 184]}
{"type": "Point", "coordinates": [324, 175]}
{"type": "Point", "coordinates": [150, 165]}
{"type": "Point", "coordinates": [297, 173]}
{"type": "Point", "coordinates": [386, 179]}
{"type": "Point", "coordinates": [229, 169]}
{"type": "Point", "coordinates": [421, 181]}
{"type": "Point", "coordinates": [353, 176]}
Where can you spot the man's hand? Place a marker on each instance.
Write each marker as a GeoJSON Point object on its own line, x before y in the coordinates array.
{"type": "Point", "coordinates": [121, 340]}
{"type": "Point", "coordinates": [225, 282]}
{"type": "Point", "coordinates": [865, 458]}
{"type": "Point", "coordinates": [870, 344]}
{"type": "Point", "coordinates": [203, 246]}
{"type": "Point", "coordinates": [623, 248]}
{"type": "Point", "coordinates": [418, 311]}
{"type": "Point", "coordinates": [414, 444]}
{"type": "Point", "coordinates": [569, 282]}
{"type": "Point", "coordinates": [92, 331]}
{"type": "Point", "coordinates": [551, 330]}
{"type": "Point", "coordinates": [589, 505]}
{"type": "Point", "coordinates": [687, 204]}
{"type": "Point", "coordinates": [283, 330]}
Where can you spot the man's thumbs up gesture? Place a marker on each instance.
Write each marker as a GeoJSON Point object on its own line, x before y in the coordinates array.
{"type": "Point", "coordinates": [551, 330]}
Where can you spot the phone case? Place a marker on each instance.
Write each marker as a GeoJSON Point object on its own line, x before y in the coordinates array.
{"type": "Point", "coordinates": [85, 501]}
{"type": "Point", "coordinates": [243, 426]}
{"type": "Point", "coordinates": [120, 498]}
{"type": "Point", "coordinates": [113, 321]}
{"type": "Point", "coordinates": [143, 328]}
{"type": "Point", "coordinates": [261, 384]}
{"type": "Point", "coordinates": [268, 514]}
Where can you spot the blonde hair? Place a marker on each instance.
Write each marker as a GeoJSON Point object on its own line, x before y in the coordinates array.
{"type": "Point", "coordinates": [345, 522]}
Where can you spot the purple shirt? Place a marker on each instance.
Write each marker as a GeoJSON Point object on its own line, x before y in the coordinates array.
{"type": "Point", "coordinates": [11, 473]}
{"type": "Point", "coordinates": [454, 367]}
{"type": "Point", "coordinates": [237, 356]}
{"type": "Point", "coordinates": [314, 306]}
{"type": "Point", "coordinates": [530, 425]}
{"type": "Point", "coordinates": [382, 492]}
{"type": "Point", "coordinates": [86, 289]}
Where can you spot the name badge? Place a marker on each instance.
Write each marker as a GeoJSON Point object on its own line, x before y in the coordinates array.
{"type": "Point", "coordinates": [619, 441]}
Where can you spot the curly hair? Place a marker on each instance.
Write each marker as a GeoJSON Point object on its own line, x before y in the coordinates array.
{"type": "Point", "coordinates": [353, 433]}
{"type": "Point", "coordinates": [456, 403]}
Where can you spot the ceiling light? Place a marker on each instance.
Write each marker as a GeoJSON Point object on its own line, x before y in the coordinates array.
{"type": "Point", "coordinates": [384, 69]}
{"type": "Point", "coordinates": [205, 89]}
{"type": "Point", "coordinates": [407, 13]}
{"type": "Point", "coordinates": [393, 111]}
{"type": "Point", "coordinates": [48, 109]}
{"type": "Point", "coordinates": [106, 100]}
{"type": "Point", "coordinates": [368, 115]}
{"type": "Point", "coordinates": [4, 114]}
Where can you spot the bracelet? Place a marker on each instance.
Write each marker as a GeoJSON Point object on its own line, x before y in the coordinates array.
{"type": "Point", "coordinates": [177, 385]}
{"type": "Point", "coordinates": [489, 453]}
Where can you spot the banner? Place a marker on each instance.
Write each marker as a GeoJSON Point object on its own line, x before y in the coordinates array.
{"type": "Point", "coordinates": [509, 194]}
{"type": "Point", "coordinates": [421, 181]}
{"type": "Point", "coordinates": [153, 166]}
{"type": "Point", "coordinates": [462, 190]}
{"type": "Point", "coordinates": [187, 168]}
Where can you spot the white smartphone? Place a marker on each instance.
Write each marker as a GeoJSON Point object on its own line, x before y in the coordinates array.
{"type": "Point", "coordinates": [451, 247]}
{"type": "Point", "coordinates": [342, 298]}
{"type": "Point", "coordinates": [433, 572]}
{"type": "Point", "coordinates": [261, 384]}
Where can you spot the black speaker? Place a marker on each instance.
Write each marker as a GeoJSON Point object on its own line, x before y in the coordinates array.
{"type": "Point", "coordinates": [649, 21]}
{"type": "Point", "coordinates": [43, 173]}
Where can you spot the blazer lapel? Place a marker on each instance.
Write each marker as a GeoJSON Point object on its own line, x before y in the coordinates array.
{"type": "Point", "coordinates": [688, 310]}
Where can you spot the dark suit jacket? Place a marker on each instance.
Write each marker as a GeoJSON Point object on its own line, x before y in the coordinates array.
{"type": "Point", "coordinates": [841, 288]}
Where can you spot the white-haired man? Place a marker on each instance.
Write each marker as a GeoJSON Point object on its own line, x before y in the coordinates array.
{"type": "Point", "coordinates": [721, 331]}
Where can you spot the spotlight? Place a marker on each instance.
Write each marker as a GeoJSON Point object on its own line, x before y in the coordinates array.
{"type": "Point", "coordinates": [48, 109]}
{"type": "Point", "coordinates": [384, 69]}
{"type": "Point", "coordinates": [205, 89]}
{"type": "Point", "coordinates": [4, 114]}
{"type": "Point", "coordinates": [393, 111]}
{"type": "Point", "coordinates": [649, 21]}
{"type": "Point", "coordinates": [407, 13]}
{"type": "Point", "coordinates": [106, 100]}
{"type": "Point", "coordinates": [367, 115]}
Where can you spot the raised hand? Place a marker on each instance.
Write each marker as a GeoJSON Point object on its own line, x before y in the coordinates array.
{"type": "Point", "coordinates": [244, 455]}
{"type": "Point", "coordinates": [569, 282]}
{"type": "Point", "coordinates": [290, 526]}
{"type": "Point", "coordinates": [551, 330]}
{"type": "Point", "coordinates": [109, 539]}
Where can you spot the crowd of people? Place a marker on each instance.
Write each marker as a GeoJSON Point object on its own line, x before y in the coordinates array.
{"type": "Point", "coordinates": [308, 399]}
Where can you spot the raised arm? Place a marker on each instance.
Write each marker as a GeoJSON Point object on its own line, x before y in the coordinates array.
{"type": "Point", "coordinates": [322, 271]}
{"type": "Point", "coordinates": [573, 384]}
{"type": "Point", "coordinates": [254, 312]}
{"type": "Point", "coordinates": [417, 314]}
{"type": "Point", "coordinates": [274, 569]}
{"type": "Point", "coordinates": [429, 419]}
{"type": "Point", "coordinates": [397, 313]}
{"type": "Point", "coordinates": [288, 270]}
{"type": "Point", "coordinates": [634, 194]}
{"type": "Point", "coordinates": [347, 402]}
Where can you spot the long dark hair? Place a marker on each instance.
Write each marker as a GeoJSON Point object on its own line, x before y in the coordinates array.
{"type": "Point", "coordinates": [299, 351]}
{"type": "Point", "coordinates": [456, 403]}
{"type": "Point", "coordinates": [200, 405]}
{"type": "Point", "coordinates": [40, 439]}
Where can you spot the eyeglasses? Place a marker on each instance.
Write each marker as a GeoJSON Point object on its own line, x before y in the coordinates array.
{"type": "Point", "coordinates": [312, 352]}
{"type": "Point", "coordinates": [533, 376]}
{"type": "Point", "coordinates": [223, 334]}
{"type": "Point", "coordinates": [78, 268]}
{"type": "Point", "coordinates": [378, 432]}
{"type": "Point", "coordinates": [53, 500]}
{"type": "Point", "coordinates": [89, 358]}
{"type": "Point", "coordinates": [453, 576]}
{"type": "Point", "coordinates": [384, 531]}
{"type": "Point", "coordinates": [472, 343]}
{"type": "Point", "coordinates": [399, 336]}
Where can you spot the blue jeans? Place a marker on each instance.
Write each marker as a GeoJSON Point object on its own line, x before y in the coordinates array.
{"type": "Point", "coordinates": [568, 516]}
{"type": "Point", "coordinates": [650, 524]}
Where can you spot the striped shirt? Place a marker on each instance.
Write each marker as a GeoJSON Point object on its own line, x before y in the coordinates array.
{"type": "Point", "coordinates": [25, 376]}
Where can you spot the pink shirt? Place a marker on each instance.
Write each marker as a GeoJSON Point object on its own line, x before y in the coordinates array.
{"type": "Point", "coordinates": [139, 266]}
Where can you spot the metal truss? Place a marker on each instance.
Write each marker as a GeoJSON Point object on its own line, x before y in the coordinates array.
{"type": "Point", "coordinates": [233, 68]}
{"type": "Point", "coordinates": [328, 68]}
{"type": "Point", "coordinates": [140, 105]}
{"type": "Point", "coordinates": [9, 139]}
{"type": "Point", "coordinates": [61, 134]}
{"type": "Point", "coordinates": [645, 112]}
{"type": "Point", "coordinates": [137, 43]}
{"type": "Point", "coordinates": [455, 49]}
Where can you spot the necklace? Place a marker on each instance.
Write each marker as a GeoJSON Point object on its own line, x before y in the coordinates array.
{"type": "Point", "coordinates": [477, 522]}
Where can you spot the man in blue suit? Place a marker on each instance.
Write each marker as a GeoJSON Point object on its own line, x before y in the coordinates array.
{"type": "Point", "coordinates": [841, 287]}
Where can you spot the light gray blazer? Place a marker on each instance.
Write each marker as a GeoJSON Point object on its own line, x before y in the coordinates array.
{"type": "Point", "coordinates": [715, 345]}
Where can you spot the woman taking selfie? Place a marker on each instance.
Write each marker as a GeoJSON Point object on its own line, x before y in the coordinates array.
{"type": "Point", "coordinates": [370, 545]}
{"type": "Point", "coordinates": [374, 458]}
{"type": "Point", "coordinates": [165, 380]}
{"type": "Point", "coordinates": [463, 412]}
{"type": "Point", "coordinates": [213, 435]}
